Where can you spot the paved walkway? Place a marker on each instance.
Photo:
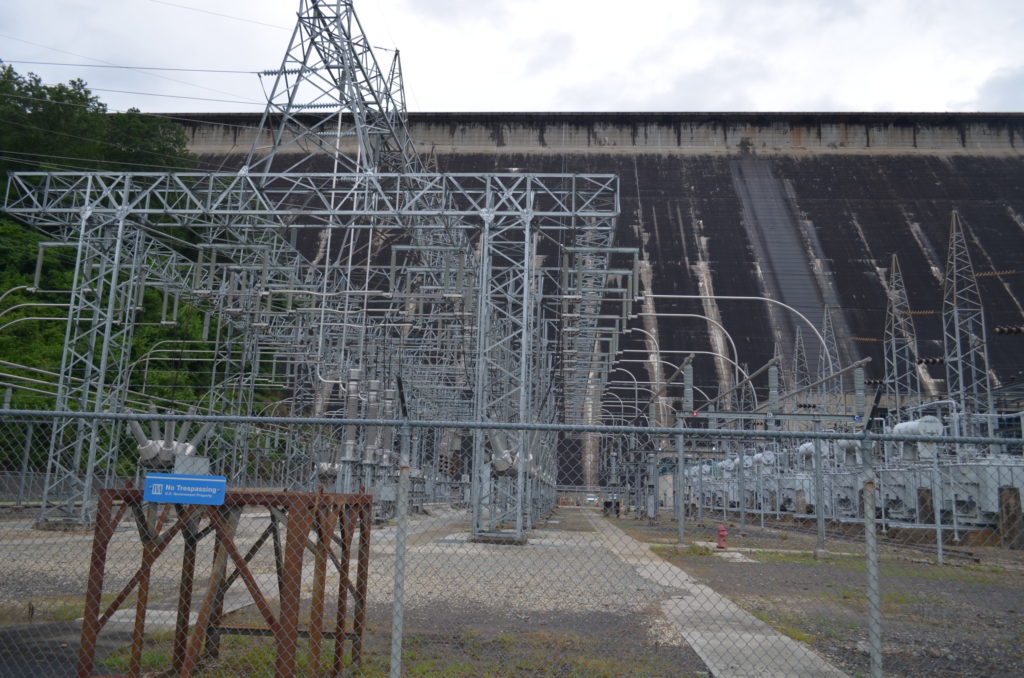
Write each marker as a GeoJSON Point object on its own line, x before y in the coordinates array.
{"type": "Point", "coordinates": [731, 642]}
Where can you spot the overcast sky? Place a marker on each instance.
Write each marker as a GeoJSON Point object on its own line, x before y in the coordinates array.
{"type": "Point", "coordinates": [555, 55]}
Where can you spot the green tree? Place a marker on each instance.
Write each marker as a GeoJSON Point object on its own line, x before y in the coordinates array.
{"type": "Point", "coordinates": [65, 127]}
{"type": "Point", "coordinates": [49, 126]}
{"type": "Point", "coordinates": [144, 141]}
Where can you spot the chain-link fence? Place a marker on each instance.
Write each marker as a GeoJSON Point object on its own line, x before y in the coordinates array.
{"type": "Point", "coordinates": [612, 551]}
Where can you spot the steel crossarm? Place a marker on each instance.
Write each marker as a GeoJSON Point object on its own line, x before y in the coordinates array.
{"type": "Point", "coordinates": [305, 200]}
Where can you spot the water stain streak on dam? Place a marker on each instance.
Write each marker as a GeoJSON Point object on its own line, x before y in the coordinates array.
{"type": "Point", "coordinates": [803, 208]}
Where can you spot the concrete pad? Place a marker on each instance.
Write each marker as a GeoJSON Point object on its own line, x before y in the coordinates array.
{"type": "Point", "coordinates": [162, 615]}
{"type": "Point", "coordinates": [730, 641]}
{"type": "Point", "coordinates": [732, 555]}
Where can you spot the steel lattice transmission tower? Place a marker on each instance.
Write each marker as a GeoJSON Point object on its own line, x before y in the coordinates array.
{"type": "Point", "coordinates": [966, 353]}
{"type": "Point", "coordinates": [800, 375]}
{"type": "Point", "coordinates": [900, 347]}
{"type": "Point", "coordinates": [331, 98]}
{"type": "Point", "coordinates": [331, 106]}
{"type": "Point", "coordinates": [832, 390]}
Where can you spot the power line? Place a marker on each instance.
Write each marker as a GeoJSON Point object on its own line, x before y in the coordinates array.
{"type": "Point", "coordinates": [9, 95]}
{"type": "Point", "coordinates": [131, 68]}
{"type": "Point", "coordinates": [112, 144]}
{"type": "Point", "coordinates": [164, 116]}
{"type": "Point", "coordinates": [53, 49]}
{"type": "Point", "coordinates": [248, 21]}
{"type": "Point", "coordinates": [225, 16]}
{"type": "Point", "coordinates": [83, 56]}
{"type": "Point", "coordinates": [35, 165]}
{"type": "Point", "coordinates": [176, 96]}
{"type": "Point", "coordinates": [11, 155]}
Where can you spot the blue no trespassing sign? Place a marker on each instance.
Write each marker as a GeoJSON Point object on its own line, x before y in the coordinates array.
{"type": "Point", "coordinates": [173, 488]}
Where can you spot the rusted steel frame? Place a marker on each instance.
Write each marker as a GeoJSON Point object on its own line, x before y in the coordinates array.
{"type": "Point", "coordinates": [213, 633]}
{"type": "Point", "coordinates": [212, 644]}
{"type": "Point", "coordinates": [105, 525]}
{"type": "Point", "coordinates": [142, 521]}
{"type": "Point", "coordinates": [149, 534]}
{"type": "Point", "coordinates": [325, 521]}
{"type": "Point", "coordinates": [335, 560]}
{"type": "Point", "coordinates": [148, 558]}
{"type": "Point", "coordinates": [149, 555]}
{"type": "Point", "coordinates": [348, 509]}
{"type": "Point", "coordinates": [347, 528]}
{"type": "Point", "coordinates": [153, 547]}
{"type": "Point", "coordinates": [249, 555]}
{"type": "Point", "coordinates": [205, 532]}
{"type": "Point", "coordinates": [122, 508]}
{"type": "Point", "coordinates": [189, 520]}
{"type": "Point", "coordinates": [301, 510]}
{"type": "Point", "coordinates": [343, 562]}
{"type": "Point", "coordinates": [362, 577]}
{"type": "Point", "coordinates": [250, 582]}
{"type": "Point", "coordinates": [276, 518]}
{"type": "Point", "coordinates": [147, 527]}
{"type": "Point", "coordinates": [163, 516]}
{"type": "Point", "coordinates": [216, 577]}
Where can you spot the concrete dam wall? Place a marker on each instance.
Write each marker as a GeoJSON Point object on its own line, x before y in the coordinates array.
{"type": "Point", "coordinates": [804, 208]}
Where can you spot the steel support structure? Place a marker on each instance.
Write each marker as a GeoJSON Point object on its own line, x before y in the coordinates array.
{"type": "Point", "coordinates": [417, 317]}
{"type": "Point", "coordinates": [324, 524]}
{"type": "Point", "coordinates": [964, 343]}
{"type": "Point", "coordinates": [105, 296]}
{"type": "Point", "coordinates": [899, 348]}
{"type": "Point", "coordinates": [334, 270]}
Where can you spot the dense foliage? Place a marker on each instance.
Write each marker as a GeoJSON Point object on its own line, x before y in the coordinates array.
{"type": "Point", "coordinates": [65, 127]}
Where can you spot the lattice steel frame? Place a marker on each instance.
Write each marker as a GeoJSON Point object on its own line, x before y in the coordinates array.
{"type": "Point", "coordinates": [522, 205]}
{"type": "Point", "coordinates": [964, 343]}
{"type": "Point", "coordinates": [900, 347]}
{"type": "Point", "coordinates": [464, 288]}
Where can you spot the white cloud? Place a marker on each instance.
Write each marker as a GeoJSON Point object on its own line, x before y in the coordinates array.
{"type": "Point", "coordinates": [1004, 91]}
{"type": "Point", "coordinates": [561, 55]}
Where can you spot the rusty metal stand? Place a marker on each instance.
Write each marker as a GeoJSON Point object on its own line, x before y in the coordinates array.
{"type": "Point", "coordinates": [331, 518]}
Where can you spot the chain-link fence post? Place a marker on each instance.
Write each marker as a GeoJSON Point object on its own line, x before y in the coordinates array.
{"type": "Point", "coordinates": [819, 496]}
{"type": "Point", "coordinates": [871, 546]}
{"type": "Point", "coordinates": [700, 490]}
{"type": "Point", "coordinates": [25, 451]}
{"type": "Point", "coordinates": [680, 489]}
{"type": "Point", "coordinates": [402, 520]}
{"type": "Point", "coordinates": [936, 484]}
{"type": "Point", "coordinates": [741, 486]}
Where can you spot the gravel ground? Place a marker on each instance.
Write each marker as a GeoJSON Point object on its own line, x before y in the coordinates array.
{"type": "Point", "coordinates": [564, 604]}
{"type": "Point", "coordinates": [965, 618]}
{"type": "Point", "coordinates": [561, 605]}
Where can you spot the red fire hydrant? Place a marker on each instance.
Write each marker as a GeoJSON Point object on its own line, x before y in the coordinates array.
{"type": "Point", "coordinates": [722, 534]}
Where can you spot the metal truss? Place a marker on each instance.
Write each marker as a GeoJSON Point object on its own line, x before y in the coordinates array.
{"type": "Point", "coordinates": [832, 389]}
{"type": "Point", "coordinates": [467, 297]}
{"type": "Point", "coordinates": [900, 347]}
{"type": "Point", "coordinates": [105, 296]}
{"type": "Point", "coordinates": [965, 347]}
{"type": "Point", "coordinates": [330, 98]}
{"type": "Point", "coordinates": [801, 372]}
{"type": "Point", "coordinates": [464, 299]}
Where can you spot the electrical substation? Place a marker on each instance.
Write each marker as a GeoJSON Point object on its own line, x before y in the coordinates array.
{"type": "Point", "coordinates": [697, 318]}
{"type": "Point", "coordinates": [372, 291]}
